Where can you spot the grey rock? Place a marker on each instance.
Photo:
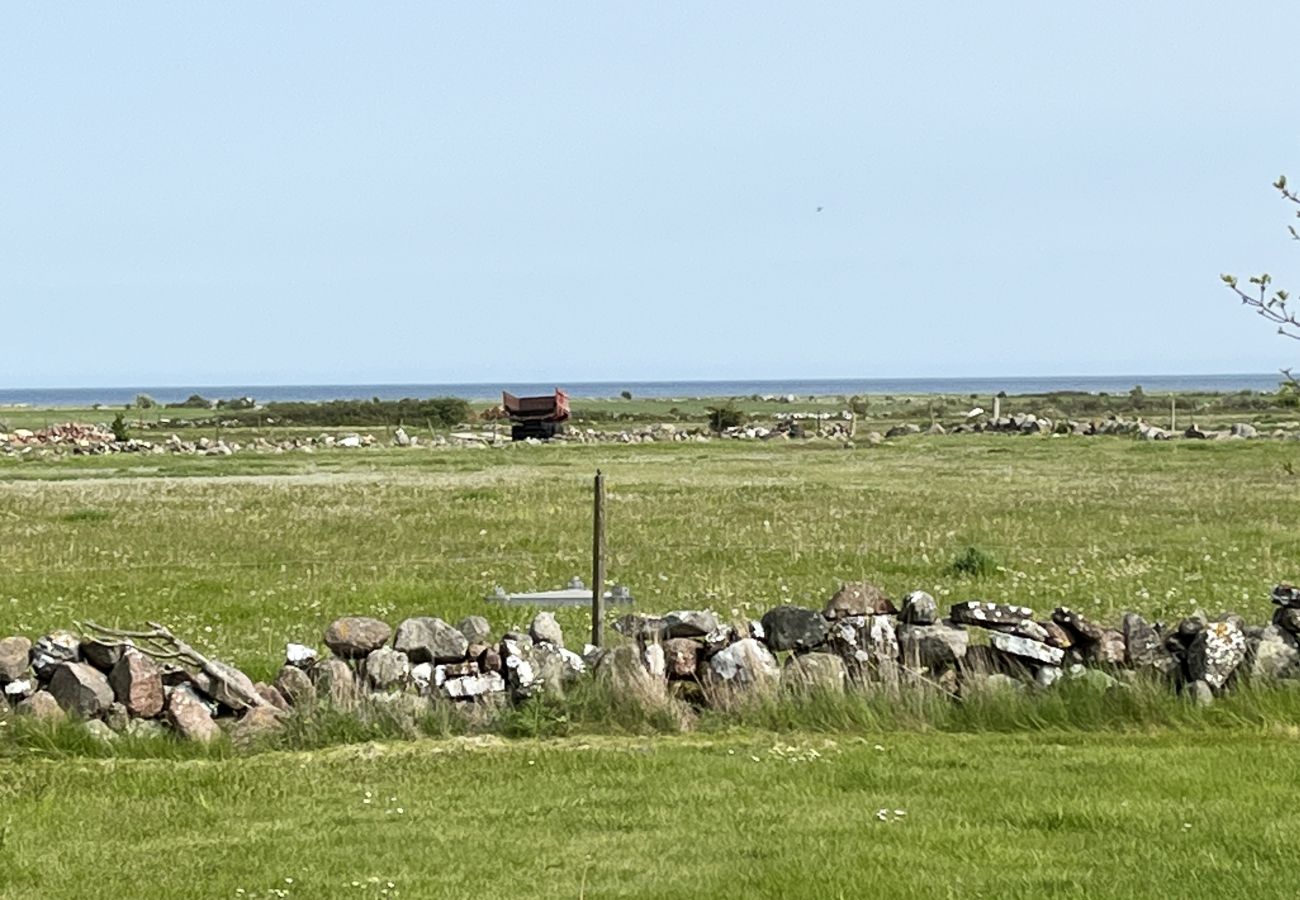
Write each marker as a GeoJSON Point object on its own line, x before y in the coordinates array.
{"type": "Point", "coordinates": [932, 647]}
{"type": "Point", "coordinates": [990, 615]}
{"type": "Point", "coordinates": [1244, 430]}
{"type": "Point", "coordinates": [41, 705]}
{"type": "Point", "coordinates": [430, 639]}
{"type": "Point", "coordinates": [1033, 631]}
{"type": "Point", "coordinates": [144, 729]}
{"type": "Point", "coordinates": [622, 669]}
{"type": "Point", "coordinates": [353, 637]}
{"type": "Point", "coordinates": [1287, 618]}
{"type": "Point", "coordinates": [99, 731]}
{"type": "Point", "coordinates": [82, 689]}
{"type": "Point", "coordinates": [257, 722]}
{"type": "Point", "coordinates": [1287, 595]}
{"type": "Point", "coordinates": [545, 628]}
{"type": "Point", "coordinates": [137, 684]}
{"type": "Point", "coordinates": [15, 655]}
{"type": "Point", "coordinates": [387, 669]}
{"type": "Point", "coordinates": [794, 628]}
{"type": "Point", "coordinates": [335, 684]}
{"type": "Point", "coordinates": [422, 677]}
{"type": "Point", "coordinates": [295, 685]}
{"type": "Point", "coordinates": [475, 629]}
{"type": "Point", "coordinates": [858, 598]}
{"type": "Point", "coordinates": [1057, 635]}
{"type": "Point", "coordinates": [233, 693]}
{"type": "Point", "coordinates": [1200, 693]}
{"type": "Point", "coordinates": [117, 717]}
{"type": "Point", "coordinates": [474, 687]}
{"type": "Point", "coordinates": [189, 716]}
{"type": "Point", "coordinates": [558, 668]}
{"type": "Point", "coordinates": [19, 689]}
{"type": "Point", "coordinates": [1084, 630]}
{"type": "Point", "coordinates": [1274, 655]}
{"type": "Point", "coordinates": [1025, 648]}
{"type": "Point", "coordinates": [1092, 678]}
{"type": "Point", "coordinates": [688, 623]}
{"type": "Point", "coordinates": [103, 655]}
{"type": "Point", "coordinates": [817, 672]}
{"type": "Point", "coordinates": [520, 666]}
{"type": "Point", "coordinates": [272, 696]}
{"type": "Point", "coordinates": [1216, 653]}
{"type": "Point", "coordinates": [1046, 676]}
{"type": "Point", "coordinates": [653, 655]}
{"type": "Point", "coordinates": [746, 663]}
{"type": "Point", "coordinates": [919, 608]}
{"type": "Point", "coordinates": [1110, 650]}
{"type": "Point", "coordinates": [1144, 648]}
{"type": "Point", "coordinates": [52, 650]}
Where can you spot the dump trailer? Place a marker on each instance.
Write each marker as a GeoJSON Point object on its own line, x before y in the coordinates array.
{"type": "Point", "coordinates": [536, 417]}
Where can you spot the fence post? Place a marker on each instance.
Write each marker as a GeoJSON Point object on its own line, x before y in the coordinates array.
{"type": "Point", "coordinates": [598, 563]}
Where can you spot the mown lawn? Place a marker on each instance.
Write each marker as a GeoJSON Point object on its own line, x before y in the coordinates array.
{"type": "Point", "coordinates": [745, 815]}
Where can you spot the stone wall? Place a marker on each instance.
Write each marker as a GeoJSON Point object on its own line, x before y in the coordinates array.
{"type": "Point", "coordinates": [860, 642]}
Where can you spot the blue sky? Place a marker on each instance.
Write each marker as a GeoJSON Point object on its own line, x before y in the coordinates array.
{"type": "Point", "coordinates": [292, 192]}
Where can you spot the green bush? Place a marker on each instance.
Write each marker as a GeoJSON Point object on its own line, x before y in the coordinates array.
{"type": "Point", "coordinates": [119, 428]}
{"type": "Point", "coordinates": [725, 416]}
{"type": "Point", "coordinates": [438, 412]}
{"type": "Point", "coordinates": [974, 562]}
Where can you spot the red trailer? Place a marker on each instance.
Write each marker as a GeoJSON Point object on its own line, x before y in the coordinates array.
{"type": "Point", "coordinates": [536, 417]}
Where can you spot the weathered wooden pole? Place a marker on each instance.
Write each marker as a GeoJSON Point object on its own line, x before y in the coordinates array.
{"type": "Point", "coordinates": [598, 563]}
{"type": "Point", "coordinates": [1173, 413]}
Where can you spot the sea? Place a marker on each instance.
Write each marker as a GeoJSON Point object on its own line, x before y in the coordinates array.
{"type": "Point", "coordinates": [802, 387]}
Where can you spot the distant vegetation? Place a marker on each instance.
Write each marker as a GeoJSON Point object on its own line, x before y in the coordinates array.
{"type": "Point", "coordinates": [436, 412]}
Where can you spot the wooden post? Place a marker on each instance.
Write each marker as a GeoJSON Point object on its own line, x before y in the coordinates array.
{"type": "Point", "coordinates": [997, 407]}
{"type": "Point", "coordinates": [598, 563]}
{"type": "Point", "coordinates": [1173, 413]}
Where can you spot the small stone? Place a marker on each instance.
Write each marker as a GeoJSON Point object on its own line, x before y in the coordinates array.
{"type": "Point", "coordinates": [82, 689]}
{"type": "Point", "coordinates": [99, 731]}
{"type": "Point", "coordinates": [19, 689]}
{"type": "Point", "coordinates": [144, 729]}
{"type": "Point", "coordinates": [1057, 635]}
{"type": "Point", "coordinates": [1084, 631]}
{"type": "Point", "coordinates": [681, 657]}
{"type": "Point", "coordinates": [473, 687]}
{"type": "Point", "coordinates": [271, 696]}
{"type": "Point", "coordinates": [686, 623]}
{"type": "Point", "coordinates": [137, 684]}
{"type": "Point", "coordinates": [189, 716]}
{"type": "Point", "coordinates": [653, 656]}
{"type": "Point", "coordinates": [1025, 648]}
{"type": "Point", "coordinates": [103, 655]}
{"type": "Point", "coordinates": [919, 608]}
{"type": "Point", "coordinates": [353, 637]}
{"type": "Point", "coordinates": [794, 628]}
{"type": "Point", "coordinates": [52, 650]}
{"type": "Point", "coordinates": [1274, 655]}
{"type": "Point", "coordinates": [490, 660]}
{"type": "Point", "coordinates": [15, 655]}
{"type": "Point", "coordinates": [295, 685]}
{"type": "Point", "coordinates": [623, 670]}
{"type": "Point", "coordinates": [1109, 650]}
{"type": "Point", "coordinates": [475, 629]}
{"type": "Point", "coordinates": [545, 628]}
{"type": "Point", "coordinates": [1046, 676]}
{"type": "Point", "coordinates": [1143, 646]}
{"type": "Point", "coordinates": [387, 669]}
{"type": "Point", "coordinates": [1287, 618]}
{"type": "Point", "coordinates": [256, 723]}
{"type": "Point", "coordinates": [234, 690]}
{"type": "Point", "coordinates": [299, 655]}
{"type": "Point", "coordinates": [41, 705]}
{"type": "Point", "coordinates": [430, 639]}
{"type": "Point", "coordinates": [1031, 630]}
{"type": "Point", "coordinates": [858, 598]}
{"type": "Point", "coordinates": [1286, 595]}
{"type": "Point", "coordinates": [1200, 693]}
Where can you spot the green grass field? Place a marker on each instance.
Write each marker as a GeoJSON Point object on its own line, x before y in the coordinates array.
{"type": "Point", "coordinates": [241, 554]}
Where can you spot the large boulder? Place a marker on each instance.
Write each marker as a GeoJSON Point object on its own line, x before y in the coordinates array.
{"type": "Point", "coordinates": [681, 658]}
{"type": "Point", "coordinates": [688, 623]}
{"type": "Point", "coordinates": [103, 655]}
{"type": "Point", "coordinates": [520, 666]}
{"type": "Point", "coordinates": [1083, 629]}
{"type": "Point", "coordinates": [545, 628]}
{"type": "Point", "coordinates": [387, 669]}
{"type": "Point", "coordinates": [558, 668]}
{"type": "Point", "coordinates": [746, 663]}
{"type": "Point", "coordinates": [815, 672]}
{"type": "Point", "coordinates": [858, 598]}
{"type": "Point", "coordinates": [190, 716]}
{"type": "Point", "coordinates": [257, 722]}
{"type": "Point", "coordinates": [137, 684]}
{"type": "Point", "coordinates": [15, 655]}
{"type": "Point", "coordinates": [295, 685]}
{"type": "Point", "coordinates": [336, 684]}
{"type": "Point", "coordinates": [1110, 650]}
{"type": "Point", "coordinates": [82, 689]}
{"type": "Point", "coordinates": [353, 637]}
{"type": "Point", "coordinates": [474, 687]}
{"type": "Point", "coordinates": [932, 647]}
{"type": "Point", "coordinates": [919, 608]}
{"type": "Point", "coordinates": [794, 628]}
{"type": "Point", "coordinates": [1287, 618]}
{"type": "Point", "coordinates": [1215, 654]}
{"type": "Point", "coordinates": [233, 689]}
{"type": "Point", "coordinates": [624, 671]}
{"type": "Point", "coordinates": [430, 639]}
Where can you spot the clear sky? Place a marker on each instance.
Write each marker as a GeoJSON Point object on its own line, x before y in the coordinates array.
{"type": "Point", "coordinates": [316, 192]}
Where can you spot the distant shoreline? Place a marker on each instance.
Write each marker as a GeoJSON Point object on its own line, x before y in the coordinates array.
{"type": "Point", "coordinates": [800, 387]}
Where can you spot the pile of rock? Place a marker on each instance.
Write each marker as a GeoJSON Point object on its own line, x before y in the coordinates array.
{"type": "Point", "coordinates": [859, 641]}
